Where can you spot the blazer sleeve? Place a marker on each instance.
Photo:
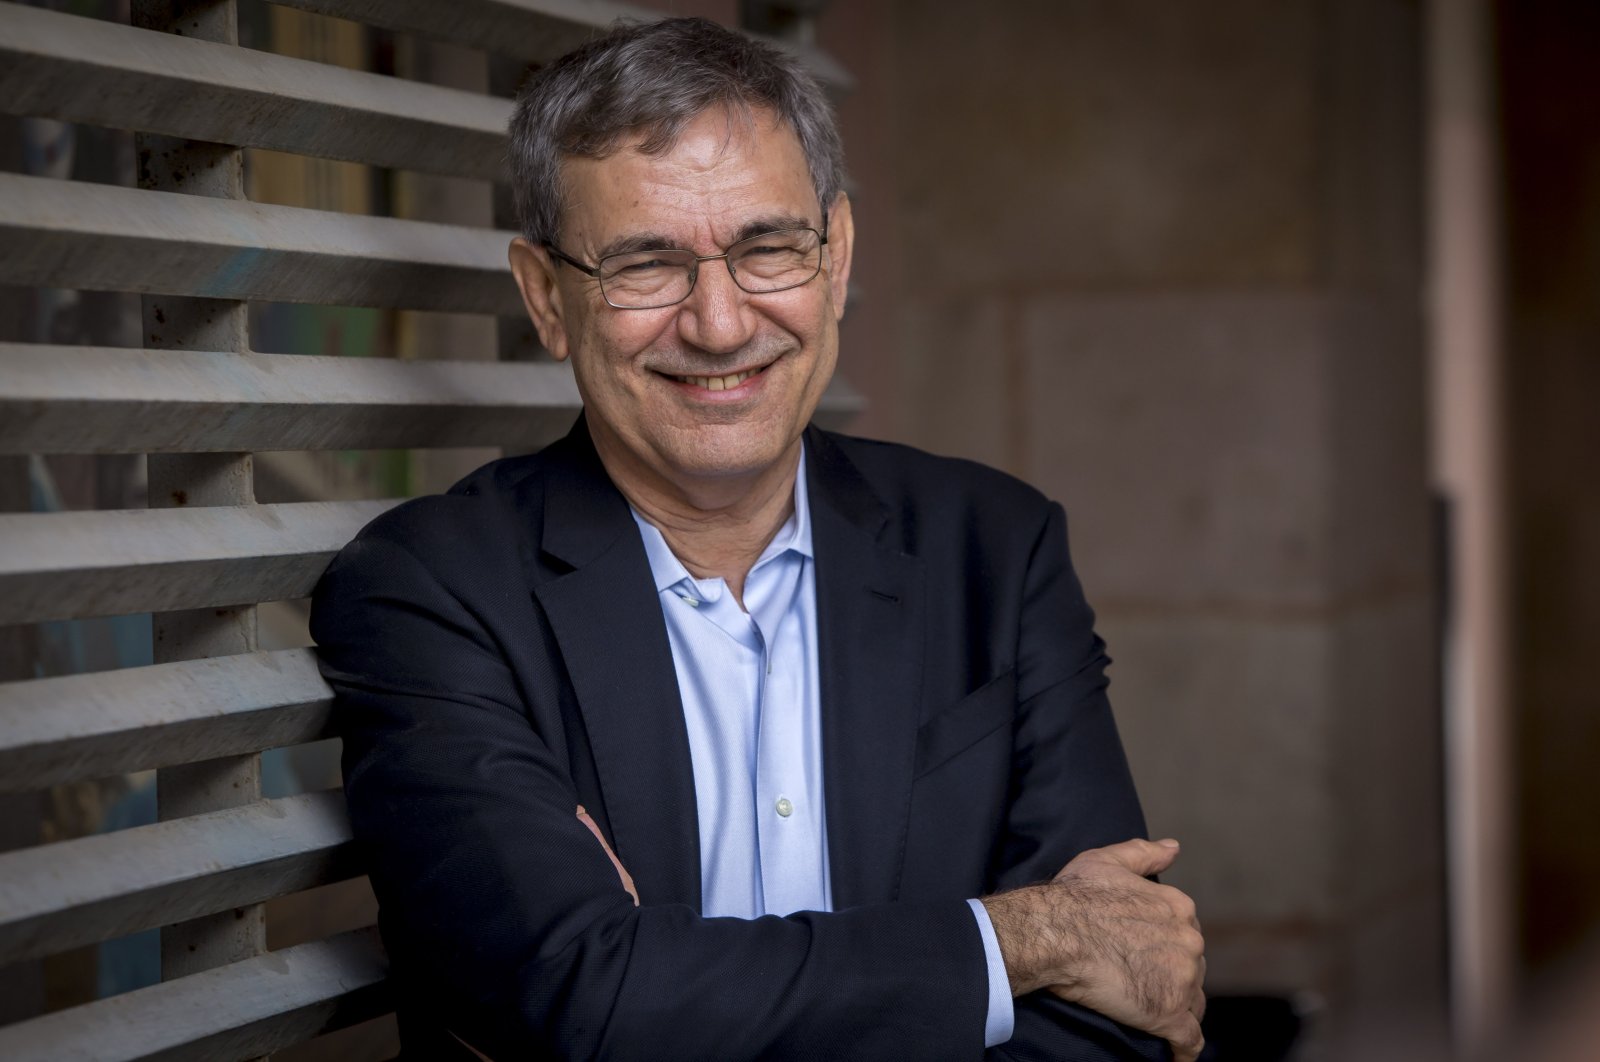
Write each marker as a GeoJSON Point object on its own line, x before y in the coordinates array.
{"type": "Point", "coordinates": [501, 912]}
{"type": "Point", "coordinates": [1071, 789]}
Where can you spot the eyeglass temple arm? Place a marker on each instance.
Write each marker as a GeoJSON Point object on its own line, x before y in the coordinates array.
{"type": "Point", "coordinates": [561, 256]}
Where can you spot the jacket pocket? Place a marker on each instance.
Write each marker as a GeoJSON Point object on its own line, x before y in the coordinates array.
{"type": "Point", "coordinates": [968, 721]}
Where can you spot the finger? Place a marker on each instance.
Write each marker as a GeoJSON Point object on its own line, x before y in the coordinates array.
{"type": "Point", "coordinates": [1182, 906]}
{"type": "Point", "coordinates": [622, 871]}
{"type": "Point", "coordinates": [1139, 856]}
{"type": "Point", "coordinates": [1188, 1041]}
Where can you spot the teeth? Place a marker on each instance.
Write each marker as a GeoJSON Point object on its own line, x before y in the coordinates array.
{"type": "Point", "coordinates": [719, 383]}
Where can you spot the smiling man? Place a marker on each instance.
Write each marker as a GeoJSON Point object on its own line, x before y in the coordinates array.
{"type": "Point", "coordinates": [707, 734]}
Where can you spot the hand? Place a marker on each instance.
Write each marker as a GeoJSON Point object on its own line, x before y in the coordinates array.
{"type": "Point", "coordinates": [622, 871]}
{"type": "Point", "coordinates": [1102, 936]}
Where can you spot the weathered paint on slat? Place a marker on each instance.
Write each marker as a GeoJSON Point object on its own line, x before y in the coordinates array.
{"type": "Point", "coordinates": [67, 565]}
{"type": "Point", "coordinates": [113, 722]}
{"type": "Point", "coordinates": [62, 895]}
{"type": "Point", "coordinates": [104, 73]}
{"type": "Point", "coordinates": [244, 1010]}
{"type": "Point", "coordinates": [534, 30]}
{"type": "Point", "coordinates": [113, 400]}
{"type": "Point", "coordinates": [106, 238]}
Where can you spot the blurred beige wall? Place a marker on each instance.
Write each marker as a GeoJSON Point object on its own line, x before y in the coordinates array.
{"type": "Point", "coordinates": [1163, 261]}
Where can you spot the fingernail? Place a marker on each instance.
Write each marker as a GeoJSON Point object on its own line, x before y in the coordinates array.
{"type": "Point", "coordinates": [1167, 842]}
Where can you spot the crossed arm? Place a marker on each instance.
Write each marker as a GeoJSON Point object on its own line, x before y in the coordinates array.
{"type": "Point", "coordinates": [497, 896]}
{"type": "Point", "coordinates": [1099, 934]}
{"type": "Point", "coordinates": [504, 918]}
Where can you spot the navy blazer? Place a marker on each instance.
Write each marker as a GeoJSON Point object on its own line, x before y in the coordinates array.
{"type": "Point", "coordinates": [499, 657]}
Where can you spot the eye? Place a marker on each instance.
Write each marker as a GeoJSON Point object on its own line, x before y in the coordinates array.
{"type": "Point", "coordinates": [644, 266]}
{"type": "Point", "coordinates": [649, 264]}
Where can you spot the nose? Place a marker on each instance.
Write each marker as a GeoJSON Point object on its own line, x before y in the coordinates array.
{"type": "Point", "coordinates": [717, 316]}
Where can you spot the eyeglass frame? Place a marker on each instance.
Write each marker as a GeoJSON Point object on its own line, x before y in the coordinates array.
{"type": "Point", "coordinates": [694, 272]}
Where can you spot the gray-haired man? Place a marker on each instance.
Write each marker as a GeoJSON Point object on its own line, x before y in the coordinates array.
{"type": "Point", "coordinates": [837, 706]}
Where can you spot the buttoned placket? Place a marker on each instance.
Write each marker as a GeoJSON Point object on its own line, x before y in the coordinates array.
{"type": "Point", "coordinates": [785, 809]}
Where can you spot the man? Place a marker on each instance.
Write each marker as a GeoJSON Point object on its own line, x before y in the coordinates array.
{"type": "Point", "coordinates": [706, 734]}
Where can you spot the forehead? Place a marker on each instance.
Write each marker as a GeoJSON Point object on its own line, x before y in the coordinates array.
{"type": "Point", "coordinates": [724, 168]}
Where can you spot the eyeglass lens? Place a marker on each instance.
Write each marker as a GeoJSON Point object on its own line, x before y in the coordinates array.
{"type": "Point", "coordinates": [772, 261]}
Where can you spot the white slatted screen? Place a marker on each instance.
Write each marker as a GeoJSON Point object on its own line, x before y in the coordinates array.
{"type": "Point", "coordinates": [201, 403]}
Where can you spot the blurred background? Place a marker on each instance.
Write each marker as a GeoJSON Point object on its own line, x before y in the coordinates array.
{"type": "Point", "coordinates": [1293, 304]}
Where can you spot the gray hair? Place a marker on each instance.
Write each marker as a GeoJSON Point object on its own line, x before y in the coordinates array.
{"type": "Point", "coordinates": [651, 80]}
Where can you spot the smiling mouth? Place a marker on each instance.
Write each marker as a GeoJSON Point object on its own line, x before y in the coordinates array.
{"type": "Point", "coordinates": [716, 383]}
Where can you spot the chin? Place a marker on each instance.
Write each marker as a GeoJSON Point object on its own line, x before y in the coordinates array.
{"type": "Point", "coordinates": [715, 458]}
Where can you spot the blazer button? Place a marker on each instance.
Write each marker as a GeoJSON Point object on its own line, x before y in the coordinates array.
{"type": "Point", "coordinates": [785, 808]}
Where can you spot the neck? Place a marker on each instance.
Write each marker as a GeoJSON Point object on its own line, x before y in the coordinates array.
{"type": "Point", "coordinates": [717, 526]}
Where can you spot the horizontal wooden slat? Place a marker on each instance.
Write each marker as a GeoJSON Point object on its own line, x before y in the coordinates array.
{"type": "Point", "coordinates": [112, 722]}
{"type": "Point", "coordinates": [115, 400]}
{"type": "Point", "coordinates": [67, 565]}
{"type": "Point", "coordinates": [101, 237]}
{"type": "Point", "coordinates": [533, 30]}
{"type": "Point", "coordinates": [244, 1010]}
{"type": "Point", "coordinates": [59, 896]}
{"type": "Point", "coordinates": [104, 73]}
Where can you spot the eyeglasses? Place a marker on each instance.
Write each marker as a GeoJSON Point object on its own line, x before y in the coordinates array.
{"type": "Point", "coordinates": [649, 280]}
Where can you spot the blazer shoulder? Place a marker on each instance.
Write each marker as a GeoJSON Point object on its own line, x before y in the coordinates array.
{"type": "Point", "coordinates": [483, 518]}
{"type": "Point", "coordinates": [483, 494]}
{"type": "Point", "coordinates": [500, 477]}
{"type": "Point", "coordinates": [901, 474]}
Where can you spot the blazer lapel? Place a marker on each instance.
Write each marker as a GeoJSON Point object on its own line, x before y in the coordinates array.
{"type": "Point", "coordinates": [608, 622]}
{"type": "Point", "coordinates": [870, 632]}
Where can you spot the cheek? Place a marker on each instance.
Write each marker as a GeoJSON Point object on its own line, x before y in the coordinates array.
{"type": "Point", "coordinates": [611, 348]}
{"type": "Point", "coordinates": [807, 319]}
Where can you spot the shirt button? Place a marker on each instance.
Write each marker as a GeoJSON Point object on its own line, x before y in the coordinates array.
{"type": "Point", "coordinates": [785, 808]}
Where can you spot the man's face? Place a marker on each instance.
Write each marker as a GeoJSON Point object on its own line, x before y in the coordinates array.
{"type": "Point", "coordinates": [724, 180]}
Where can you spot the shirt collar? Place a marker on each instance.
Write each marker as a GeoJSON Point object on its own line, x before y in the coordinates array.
{"type": "Point", "coordinates": [795, 534]}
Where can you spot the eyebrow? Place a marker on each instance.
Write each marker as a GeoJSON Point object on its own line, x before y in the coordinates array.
{"type": "Point", "coordinates": [655, 241]}
{"type": "Point", "coordinates": [637, 241]}
{"type": "Point", "coordinates": [771, 223]}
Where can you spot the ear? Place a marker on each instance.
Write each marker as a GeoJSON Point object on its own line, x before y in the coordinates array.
{"type": "Point", "coordinates": [841, 244]}
{"type": "Point", "coordinates": [535, 272]}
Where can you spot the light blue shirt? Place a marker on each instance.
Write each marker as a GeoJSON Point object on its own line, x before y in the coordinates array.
{"type": "Point", "coordinates": [752, 708]}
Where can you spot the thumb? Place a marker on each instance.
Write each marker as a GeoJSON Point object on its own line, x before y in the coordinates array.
{"type": "Point", "coordinates": [1141, 857]}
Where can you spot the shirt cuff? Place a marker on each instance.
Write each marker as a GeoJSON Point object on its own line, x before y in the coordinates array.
{"type": "Point", "coordinates": [1000, 1022]}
